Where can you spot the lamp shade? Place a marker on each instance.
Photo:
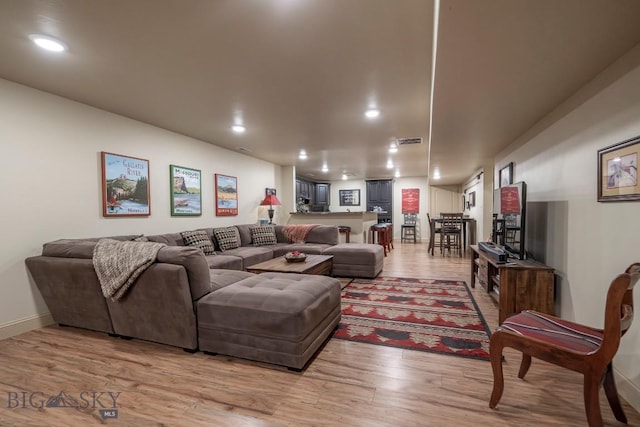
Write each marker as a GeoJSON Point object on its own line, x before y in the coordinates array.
{"type": "Point", "coordinates": [270, 200]}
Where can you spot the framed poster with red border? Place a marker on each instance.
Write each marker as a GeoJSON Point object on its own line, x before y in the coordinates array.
{"type": "Point", "coordinates": [226, 195]}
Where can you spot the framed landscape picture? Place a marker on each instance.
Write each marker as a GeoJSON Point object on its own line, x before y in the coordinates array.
{"type": "Point", "coordinates": [186, 188]}
{"type": "Point", "coordinates": [226, 195]}
{"type": "Point", "coordinates": [125, 186]}
{"type": "Point", "coordinates": [618, 172]}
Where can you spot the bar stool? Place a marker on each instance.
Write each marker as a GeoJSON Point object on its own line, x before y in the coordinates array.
{"type": "Point", "coordinates": [408, 229]}
{"type": "Point", "coordinates": [378, 232]}
{"type": "Point", "coordinates": [346, 230]}
{"type": "Point", "coordinates": [389, 227]}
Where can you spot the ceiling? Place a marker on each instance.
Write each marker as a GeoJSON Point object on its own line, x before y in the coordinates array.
{"type": "Point", "coordinates": [299, 74]}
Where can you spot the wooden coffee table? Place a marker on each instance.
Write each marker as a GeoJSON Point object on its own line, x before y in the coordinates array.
{"type": "Point", "coordinates": [314, 264]}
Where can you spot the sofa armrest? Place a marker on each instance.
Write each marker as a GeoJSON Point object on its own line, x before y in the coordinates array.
{"type": "Point", "coordinates": [195, 264]}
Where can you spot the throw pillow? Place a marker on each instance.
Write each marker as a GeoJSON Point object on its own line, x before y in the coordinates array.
{"type": "Point", "coordinates": [227, 237]}
{"type": "Point", "coordinates": [263, 235]}
{"type": "Point", "coordinates": [198, 239]}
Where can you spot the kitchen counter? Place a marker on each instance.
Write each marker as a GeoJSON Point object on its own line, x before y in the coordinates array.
{"type": "Point", "coordinates": [358, 221]}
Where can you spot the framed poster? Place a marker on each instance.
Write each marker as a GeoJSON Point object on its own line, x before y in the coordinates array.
{"type": "Point", "coordinates": [226, 195]}
{"type": "Point", "coordinates": [506, 175]}
{"type": "Point", "coordinates": [125, 186]}
{"type": "Point", "coordinates": [349, 197]}
{"type": "Point", "coordinates": [618, 172]}
{"type": "Point", "coordinates": [186, 188]}
{"type": "Point", "coordinates": [410, 200]}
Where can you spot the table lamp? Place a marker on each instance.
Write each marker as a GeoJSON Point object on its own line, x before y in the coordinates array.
{"type": "Point", "coordinates": [270, 200]}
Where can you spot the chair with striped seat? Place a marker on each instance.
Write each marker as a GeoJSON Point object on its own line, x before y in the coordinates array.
{"type": "Point", "coordinates": [577, 347]}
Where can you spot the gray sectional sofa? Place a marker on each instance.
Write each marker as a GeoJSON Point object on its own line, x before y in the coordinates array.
{"type": "Point", "coordinates": [173, 302]}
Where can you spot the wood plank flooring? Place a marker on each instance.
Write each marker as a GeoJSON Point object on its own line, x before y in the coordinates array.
{"type": "Point", "coordinates": [347, 384]}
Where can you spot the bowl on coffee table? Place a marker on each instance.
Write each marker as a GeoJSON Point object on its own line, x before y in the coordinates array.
{"type": "Point", "coordinates": [295, 256]}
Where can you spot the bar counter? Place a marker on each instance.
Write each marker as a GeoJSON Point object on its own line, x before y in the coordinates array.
{"type": "Point", "coordinates": [358, 221]}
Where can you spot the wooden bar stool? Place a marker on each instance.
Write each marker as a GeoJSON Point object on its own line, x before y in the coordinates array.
{"type": "Point", "coordinates": [378, 234]}
{"type": "Point", "coordinates": [346, 230]}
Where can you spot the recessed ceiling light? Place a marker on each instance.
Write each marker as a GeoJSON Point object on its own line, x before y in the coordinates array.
{"type": "Point", "coordinates": [238, 128]}
{"type": "Point", "coordinates": [397, 174]}
{"type": "Point", "coordinates": [303, 155]}
{"type": "Point", "coordinates": [48, 43]}
{"type": "Point", "coordinates": [325, 168]}
{"type": "Point", "coordinates": [372, 113]}
{"type": "Point", "coordinates": [389, 164]}
{"type": "Point", "coordinates": [344, 176]}
{"type": "Point", "coordinates": [436, 175]}
{"type": "Point", "coordinates": [393, 148]}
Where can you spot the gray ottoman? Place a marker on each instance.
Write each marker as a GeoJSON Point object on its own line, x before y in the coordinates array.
{"type": "Point", "coordinates": [276, 318]}
{"type": "Point", "coordinates": [356, 259]}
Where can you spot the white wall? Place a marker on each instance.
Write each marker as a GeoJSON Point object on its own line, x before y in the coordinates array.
{"type": "Point", "coordinates": [589, 243]}
{"type": "Point", "coordinates": [50, 148]}
{"type": "Point", "coordinates": [476, 185]}
{"type": "Point", "coordinates": [422, 225]}
{"type": "Point", "coordinates": [350, 184]}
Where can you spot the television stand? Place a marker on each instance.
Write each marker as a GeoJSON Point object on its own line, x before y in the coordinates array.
{"type": "Point", "coordinates": [515, 285]}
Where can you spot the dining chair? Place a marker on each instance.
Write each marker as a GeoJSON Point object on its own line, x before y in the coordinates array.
{"type": "Point", "coordinates": [451, 234]}
{"type": "Point", "coordinates": [434, 231]}
{"type": "Point", "coordinates": [577, 347]}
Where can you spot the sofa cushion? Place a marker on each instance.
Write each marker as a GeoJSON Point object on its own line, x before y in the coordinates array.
{"type": "Point", "coordinates": [227, 238]}
{"type": "Point", "coordinates": [198, 239]}
{"type": "Point", "coordinates": [251, 254]}
{"type": "Point", "coordinates": [224, 261]}
{"type": "Point", "coordinates": [263, 235]}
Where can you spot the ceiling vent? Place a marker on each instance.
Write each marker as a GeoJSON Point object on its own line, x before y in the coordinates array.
{"type": "Point", "coordinates": [409, 141]}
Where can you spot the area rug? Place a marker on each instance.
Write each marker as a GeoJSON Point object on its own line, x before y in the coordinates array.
{"type": "Point", "coordinates": [438, 316]}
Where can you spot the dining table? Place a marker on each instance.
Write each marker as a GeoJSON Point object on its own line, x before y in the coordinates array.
{"type": "Point", "coordinates": [468, 228]}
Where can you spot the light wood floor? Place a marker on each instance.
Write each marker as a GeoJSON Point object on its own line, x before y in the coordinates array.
{"type": "Point", "coordinates": [347, 384]}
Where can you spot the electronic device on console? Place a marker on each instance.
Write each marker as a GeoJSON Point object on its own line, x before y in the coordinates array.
{"type": "Point", "coordinates": [495, 250]}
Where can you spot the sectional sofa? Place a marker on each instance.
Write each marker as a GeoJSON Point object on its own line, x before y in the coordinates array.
{"type": "Point", "coordinates": [171, 302]}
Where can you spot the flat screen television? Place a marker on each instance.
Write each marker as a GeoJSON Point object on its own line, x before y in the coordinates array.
{"type": "Point", "coordinates": [509, 202]}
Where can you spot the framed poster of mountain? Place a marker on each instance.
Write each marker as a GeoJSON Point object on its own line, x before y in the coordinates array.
{"type": "Point", "coordinates": [226, 195]}
{"type": "Point", "coordinates": [125, 186]}
{"type": "Point", "coordinates": [185, 191]}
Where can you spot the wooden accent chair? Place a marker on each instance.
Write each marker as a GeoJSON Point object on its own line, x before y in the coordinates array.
{"type": "Point", "coordinates": [580, 348]}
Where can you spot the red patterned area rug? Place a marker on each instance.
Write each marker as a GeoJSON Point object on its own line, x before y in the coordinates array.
{"type": "Point", "coordinates": [438, 316]}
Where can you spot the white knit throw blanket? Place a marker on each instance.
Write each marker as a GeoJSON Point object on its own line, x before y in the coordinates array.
{"type": "Point", "coordinates": [119, 263]}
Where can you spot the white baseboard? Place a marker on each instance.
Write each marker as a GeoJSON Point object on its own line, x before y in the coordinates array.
{"type": "Point", "coordinates": [627, 390]}
{"type": "Point", "coordinates": [26, 324]}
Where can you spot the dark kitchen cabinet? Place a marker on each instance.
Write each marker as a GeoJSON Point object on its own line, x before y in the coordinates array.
{"type": "Point", "coordinates": [322, 193]}
{"type": "Point", "coordinates": [380, 194]}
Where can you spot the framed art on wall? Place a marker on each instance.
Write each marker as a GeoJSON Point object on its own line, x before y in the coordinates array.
{"type": "Point", "coordinates": [618, 172]}
{"type": "Point", "coordinates": [226, 195]}
{"type": "Point", "coordinates": [410, 200]}
{"type": "Point", "coordinates": [269, 191]}
{"type": "Point", "coordinates": [472, 199]}
{"type": "Point", "coordinates": [506, 175]}
{"type": "Point", "coordinates": [349, 197]}
{"type": "Point", "coordinates": [125, 186]}
{"type": "Point", "coordinates": [186, 188]}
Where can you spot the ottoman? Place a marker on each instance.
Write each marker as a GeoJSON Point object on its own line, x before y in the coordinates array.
{"type": "Point", "coordinates": [276, 318]}
{"type": "Point", "coordinates": [356, 259]}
